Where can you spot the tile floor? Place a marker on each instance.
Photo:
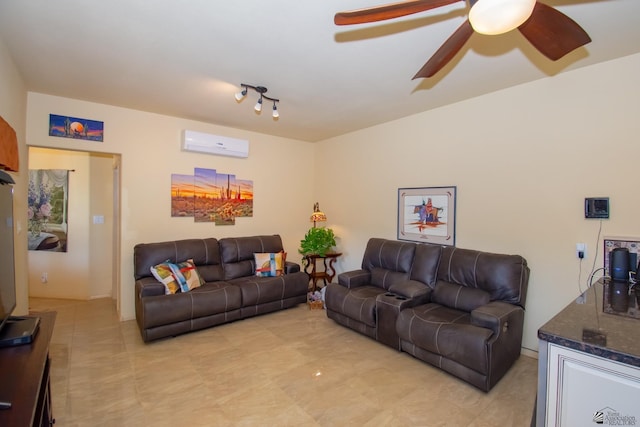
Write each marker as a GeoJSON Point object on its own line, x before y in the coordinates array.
{"type": "Point", "coordinates": [289, 368]}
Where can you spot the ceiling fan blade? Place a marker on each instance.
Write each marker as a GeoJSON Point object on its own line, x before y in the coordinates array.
{"type": "Point", "coordinates": [552, 32]}
{"type": "Point", "coordinates": [447, 51]}
{"type": "Point", "coordinates": [388, 11]}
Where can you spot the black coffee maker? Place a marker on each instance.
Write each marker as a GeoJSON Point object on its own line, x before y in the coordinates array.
{"type": "Point", "coordinates": [619, 264]}
{"type": "Point", "coordinates": [620, 296]}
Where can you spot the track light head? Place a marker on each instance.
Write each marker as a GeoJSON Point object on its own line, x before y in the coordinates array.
{"type": "Point", "coordinates": [275, 112]}
{"type": "Point", "coordinates": [240, 95]}
{"type": "Point", "coordinates": [258, 106]}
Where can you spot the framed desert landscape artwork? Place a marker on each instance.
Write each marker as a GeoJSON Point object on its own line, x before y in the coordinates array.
{"type": "Point", "coordinates": [74, 127]}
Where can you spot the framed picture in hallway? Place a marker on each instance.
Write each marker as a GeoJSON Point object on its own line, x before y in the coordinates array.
{"type": "Point", "coordinates": [47, 210]}
{"type": "Point", "coordinates": [427, 215]}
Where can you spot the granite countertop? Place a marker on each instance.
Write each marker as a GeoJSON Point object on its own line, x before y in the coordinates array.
{"type": "Point", "coordinates": [584, 326]}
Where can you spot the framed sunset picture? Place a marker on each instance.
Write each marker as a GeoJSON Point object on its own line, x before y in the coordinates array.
{"type": "Point", "coordinates": [77, 128]}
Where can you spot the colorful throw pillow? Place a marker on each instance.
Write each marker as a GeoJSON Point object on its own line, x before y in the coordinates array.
{"type": "Point", "coordinates": [164, 274]}
{"type": "Point", "coordinates": [187, 275]}
{"type": "Point", "coordinates": [270, 264]}
{"type": "Point", "coordinates": [181, 277]}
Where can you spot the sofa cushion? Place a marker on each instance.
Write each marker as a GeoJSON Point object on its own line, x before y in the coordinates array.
{"type": "Point", "coordinates": [260, 290]}
{"type": "Point", "coordinates": [388, 261]}
{"type": "Point", "coordinates": [236, 253]}
{"type": "Point", "coordinates": [425, 264]}
{"type": "Point", "coordinates": [270, 264]}
{"type": "Point", "coordinates": [390, 255]}
{"type": "Point", "coordinates": [164, 274]}
{"type": "Point", "coordinates": [446, 332]}
{"type": "Point", "coordinates": [504, 277]}
{"type": "Point", "coordinates": [459, 297]}
{"type": "Point", "coordinates": [209, 299]}
{"type": "Point", "coordinates": [186, 275]}
{"type": "Point", "coordinates": [385, 279]}
{"type": "Point", "coordinates": [177, 277]}
{"type": "Point", "coordinates": [410, 289]}
{"type": "Point", "coordinates": [204, 253]}
{"type": "Point", "coordinates": [358, 303]}
{"type": "Point", "coordinates": [214, 298]}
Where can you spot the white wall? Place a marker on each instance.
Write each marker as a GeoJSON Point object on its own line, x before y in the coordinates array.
{"type": "Point", "coordinates": [101, 241]}
{"type": "Point", "coordinates": [523, 160]}
{"type": "Point", "coordinates": [149, 145]}
{"type": "Point", "coordinates": [13, 102]}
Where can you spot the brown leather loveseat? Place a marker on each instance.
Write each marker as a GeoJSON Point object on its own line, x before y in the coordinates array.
{"type": "Point", "coordinates": [231, 289]}
{"type": "Point", "coordinates": [460, 310]}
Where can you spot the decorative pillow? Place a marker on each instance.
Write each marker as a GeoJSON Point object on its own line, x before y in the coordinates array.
{"type": "Point", "coordinates": [186, 275]}
{"type": "Point", "coordinates": [164, 274]}
{"type": "Point", "coordinates": [270, 264]}
{"type": "Point", "coordinates": [181, 277]}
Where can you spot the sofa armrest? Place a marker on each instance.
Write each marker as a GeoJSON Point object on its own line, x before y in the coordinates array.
{"type": "Point", "coordinates": [499, 316]}
{"type": "Point", "coordinates": [504, 346]}
{"type": "Point", "coordinates": [148, 287]}
{"type": "Point", "coordinates": [291, 267]}
{"type": "Point", "coordinates": [412, 289]}
{"type": "Point", "coordinates": [355, 278]}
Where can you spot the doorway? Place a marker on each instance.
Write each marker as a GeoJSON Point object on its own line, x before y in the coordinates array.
{"type": "Point", "coordinates": [90, 267]}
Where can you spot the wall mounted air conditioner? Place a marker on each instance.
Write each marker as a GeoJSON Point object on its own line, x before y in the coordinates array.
{"type": "Point", "coordinates": [214, 144]}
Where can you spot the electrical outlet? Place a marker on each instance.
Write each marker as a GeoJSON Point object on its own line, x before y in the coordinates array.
{"type": "Point", "coordinates": [581, 250]}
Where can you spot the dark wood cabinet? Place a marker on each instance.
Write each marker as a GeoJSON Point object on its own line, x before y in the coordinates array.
{"type": "Point", "coordinates": [24, 379]}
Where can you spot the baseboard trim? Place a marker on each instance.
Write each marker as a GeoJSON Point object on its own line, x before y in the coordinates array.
{"type": "Point", "coordinates": [99, 297]}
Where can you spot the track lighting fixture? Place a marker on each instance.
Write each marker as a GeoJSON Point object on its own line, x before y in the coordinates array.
{"type": "Point", "coordinates": [261, 90]}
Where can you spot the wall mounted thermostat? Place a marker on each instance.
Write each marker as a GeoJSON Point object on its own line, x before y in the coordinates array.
{"type": "Point", "coordinates": [596, 207]}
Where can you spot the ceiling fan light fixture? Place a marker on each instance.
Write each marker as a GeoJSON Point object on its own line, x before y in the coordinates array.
{"type": "Point", "coordinates": [493, 17]}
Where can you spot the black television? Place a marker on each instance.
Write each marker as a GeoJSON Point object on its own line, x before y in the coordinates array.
{"type": "Point", "coordinates": [7, 269]}
{"type": "Point", "coordinates": [13, 330]}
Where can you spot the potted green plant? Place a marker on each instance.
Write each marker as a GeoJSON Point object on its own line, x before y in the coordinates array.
{"type": "Point", "coordinates": [317, 241]}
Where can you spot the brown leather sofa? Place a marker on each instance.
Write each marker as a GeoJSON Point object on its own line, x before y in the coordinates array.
{"type": "Point", "coordinates": [231, 290]}
{"type": "Point", "coordinates": [460, 310]}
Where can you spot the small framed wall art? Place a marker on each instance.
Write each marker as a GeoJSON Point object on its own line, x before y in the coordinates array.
{"type": "Point", "coordinates": [74, 127]}
{"type": "Point", "coordinates": [427, 215]}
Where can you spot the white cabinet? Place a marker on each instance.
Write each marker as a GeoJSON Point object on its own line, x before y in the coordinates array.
{"type": "Point", "coordinates": [587, 390]}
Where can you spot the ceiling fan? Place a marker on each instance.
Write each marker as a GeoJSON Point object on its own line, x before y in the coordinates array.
{"type": "Point", "coordinates": [550, 31]}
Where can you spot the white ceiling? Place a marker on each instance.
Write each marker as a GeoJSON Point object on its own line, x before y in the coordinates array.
{"type": "Point", "coordinates": [188, 58]}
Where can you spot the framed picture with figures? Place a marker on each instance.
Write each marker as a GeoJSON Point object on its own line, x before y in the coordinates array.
{"type": "Point", "coordinates": [427, 215]}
